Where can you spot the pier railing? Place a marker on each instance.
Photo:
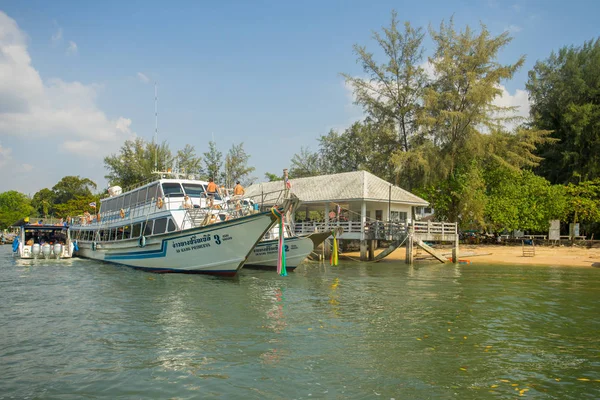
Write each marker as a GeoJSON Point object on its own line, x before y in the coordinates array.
{"type": "Point", "coordinates": [385, 230]}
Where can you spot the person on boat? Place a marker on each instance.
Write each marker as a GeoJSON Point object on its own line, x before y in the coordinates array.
{"type": "Point", "coordinates": [187, 202]}
{"type": "Point", "coordinates": [211, 190]}
{"type": "Point", "coordinates": [238, 190]}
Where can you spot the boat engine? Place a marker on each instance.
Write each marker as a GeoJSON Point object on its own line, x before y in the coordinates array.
{"type": "Point", "coordinates": [46, 250]}
{"type": "Point", "coordinates": [36, 250]}
{"type": "Point", "coordinates": [57, 250]}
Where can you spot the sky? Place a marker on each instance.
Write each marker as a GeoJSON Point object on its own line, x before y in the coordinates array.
{"type": "Point", "coordinates": [77, 77]}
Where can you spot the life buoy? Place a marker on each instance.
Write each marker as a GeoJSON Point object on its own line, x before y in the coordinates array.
{"type": "Point", "coordinates": [94, 246]}
{"type": "Point", "coordinates": [159, 202]}
{"type": "Point", "coordinates": [122, 213]}
{"type": "Point", "coordinates": [142, 241]}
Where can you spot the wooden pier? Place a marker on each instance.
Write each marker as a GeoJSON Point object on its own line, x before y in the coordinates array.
{"type": "Point", "coordinates": [399, 233]}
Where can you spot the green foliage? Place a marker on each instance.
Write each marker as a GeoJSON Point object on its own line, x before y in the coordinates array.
{"type": "Point", "coordinates": [565, 94]}
{"type": "Point", "coordinates": [305, 164]}
{"type": "Point", "coordinates": [13, 206]}
{"type": "Point", "coordinates": [583, 201]}
{"type": "Point", "coordinates": [43, 202]}
{"type": "Point", "coordinates": [236, 166]}
{"type": "Point", "coordinates": [459, 103]}
{"type": "Point", "coordinates": [188, 162]}
{"type": "Point", "coordinates": [364, 146]}
{"type": "Point", "coordinates": [273, 177]}
{"type": "Point", "coordinates": [76, 206]}
{"type": "Point", "coordinates": [213, 160]}
{"type": "Point", "coordinates": [70, 187]}
{"type": "Point", "coordinates": [136, 161]}
{"type": "Point", "coordinates": [394, 88]}
{"type": "Point", "coordinates": [521, 200]}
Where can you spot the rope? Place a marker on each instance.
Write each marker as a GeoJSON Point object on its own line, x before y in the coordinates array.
{"type": "Point", "coordinates": [281, 253]}
{"type": "Point", "coordinates": [359, 260]}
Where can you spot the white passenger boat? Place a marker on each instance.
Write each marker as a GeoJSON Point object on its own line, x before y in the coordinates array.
{"type": "Point", "coordinates": [169, 225]}
{"type": "Point", "coordinates": [43, 239]}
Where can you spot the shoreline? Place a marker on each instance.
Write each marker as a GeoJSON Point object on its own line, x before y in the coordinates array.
{"type": "Point", "coordinates": [564, 256]}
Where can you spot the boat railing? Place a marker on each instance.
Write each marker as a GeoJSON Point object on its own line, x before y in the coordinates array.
{"type": "Point", "coordinates": [47, 221]}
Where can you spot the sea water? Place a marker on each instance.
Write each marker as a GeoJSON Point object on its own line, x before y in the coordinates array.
{"type": "Point", "coordinates": [78, 329]}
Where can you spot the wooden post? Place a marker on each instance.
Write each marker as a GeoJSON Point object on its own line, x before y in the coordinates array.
{"type": "Point", "coordinates": [409, 243]}
{"type": "Point", "coordinates": [455, 252]}
{"type": "Point", "coordinates": [363, 239]}
{"type": "Point", "coordinates": [371, 249]}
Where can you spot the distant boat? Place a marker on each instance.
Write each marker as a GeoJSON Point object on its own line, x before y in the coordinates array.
{"type": "Point", "coordinates": [44, 239]}
{"type": "Point", "coordinates": [169, 225]}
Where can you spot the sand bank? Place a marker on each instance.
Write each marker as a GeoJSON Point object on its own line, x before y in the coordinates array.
{"type": "Point", "coordinates": [490, 254]}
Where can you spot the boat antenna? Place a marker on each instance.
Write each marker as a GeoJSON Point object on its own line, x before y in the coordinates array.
{"type": "Point", "coordinates": [155, 126]}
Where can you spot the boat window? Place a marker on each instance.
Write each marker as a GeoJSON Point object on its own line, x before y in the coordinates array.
{"type": "Point", "coordinates": [160, 225]}
{"type": "Point", "coordinates": [111, 234]}
{"type": "Point", "coordinates": [148, 229]}
{"type": "Point", "coordinates": [137, 229]}
{"type": "Point", "coordinates": [152, 193]}
{"type": "Point", "coordinates": [126, 200]}
{"type": "Point", "coordinates": [120, 233]}
{"type": "Point", "coordinates": [193, 189]}
{"type": "Point", "coordinates": [172, 190]}
{"type": "Point", "coordinates": [141, 198]}
{"type": "Point", "coordinates": [127, 232]}
{"type": "Point", "coordinates": [112, 205]}
{"type": "Point", "coordinates": [171, 227]}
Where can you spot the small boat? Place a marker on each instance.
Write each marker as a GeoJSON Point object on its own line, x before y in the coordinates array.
{"type": "Point", "coordinates": [171, 225]}
{"type": "Point", "coordinates": [297, 248]}
{"type": "Point", "coordinates": [45, 239]}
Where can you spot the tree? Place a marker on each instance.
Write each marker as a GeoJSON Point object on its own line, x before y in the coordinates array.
{"type": "Point", "coordinates": [521, 200]}
{"type": "Point", "coordinates": [213, 160]}
{"type": "Point", "coordinates": [70, 187]}
{"type": "Point", "coordinates": [273, 177]}
{"type": "Point", "coordinates": [188, 162]}
{"type": "Point", "coordinates": [564, 91]}
{"type": "Point", "coordinates": [458, 105]}
{"type": "Point", "coordinates": [236, 165]}
{"type": "Point", "coordinates": [136, 162]}
{"type": "Point", "coordinates": [583, 201]}
{"type": "Point", "coordinates": [43, 202]}
{"type": "Point", "coordinates": [13, 206]}
{"type": "Point", "coordinates": [76, 206]}
{"type": "Point", "coordinates": [393, 89]}
{"type": "Point", "coordinates": [305, 164]}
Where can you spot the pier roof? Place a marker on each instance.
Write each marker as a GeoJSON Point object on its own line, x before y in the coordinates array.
{"type": "Point", "coordinates": [346, 186]}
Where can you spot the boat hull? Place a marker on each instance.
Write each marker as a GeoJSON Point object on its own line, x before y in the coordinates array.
{"type": "Point", "coordinates": [266, 253]}
{"type": "Point", "coordinates": [217, 249]}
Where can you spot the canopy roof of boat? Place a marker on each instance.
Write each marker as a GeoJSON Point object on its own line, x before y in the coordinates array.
{"type": "Point", "coordinates": [40, 223]}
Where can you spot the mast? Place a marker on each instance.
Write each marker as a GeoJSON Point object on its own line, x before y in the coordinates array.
{"type": "Point", "coordinates": [155, 127]}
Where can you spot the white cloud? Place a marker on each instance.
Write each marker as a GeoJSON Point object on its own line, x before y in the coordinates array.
{"type": "Point", "coordinates": [58, 35]}
{"type": "Point", "coordinates": [26, 167]}
{"type": "Point", "coordinates": [65, 111]}
{"type": "Point", "coordinates": [519, 99]}
{"type": "Point", "coordinates": [72, 49]}
{"type": "Point", "coordinates": [143, 77]}
{"type": "Point", "coordinates": [513, 29]}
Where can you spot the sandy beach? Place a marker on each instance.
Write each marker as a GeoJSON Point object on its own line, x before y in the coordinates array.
{"type": "Point", "coordinates": [489, 254]}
